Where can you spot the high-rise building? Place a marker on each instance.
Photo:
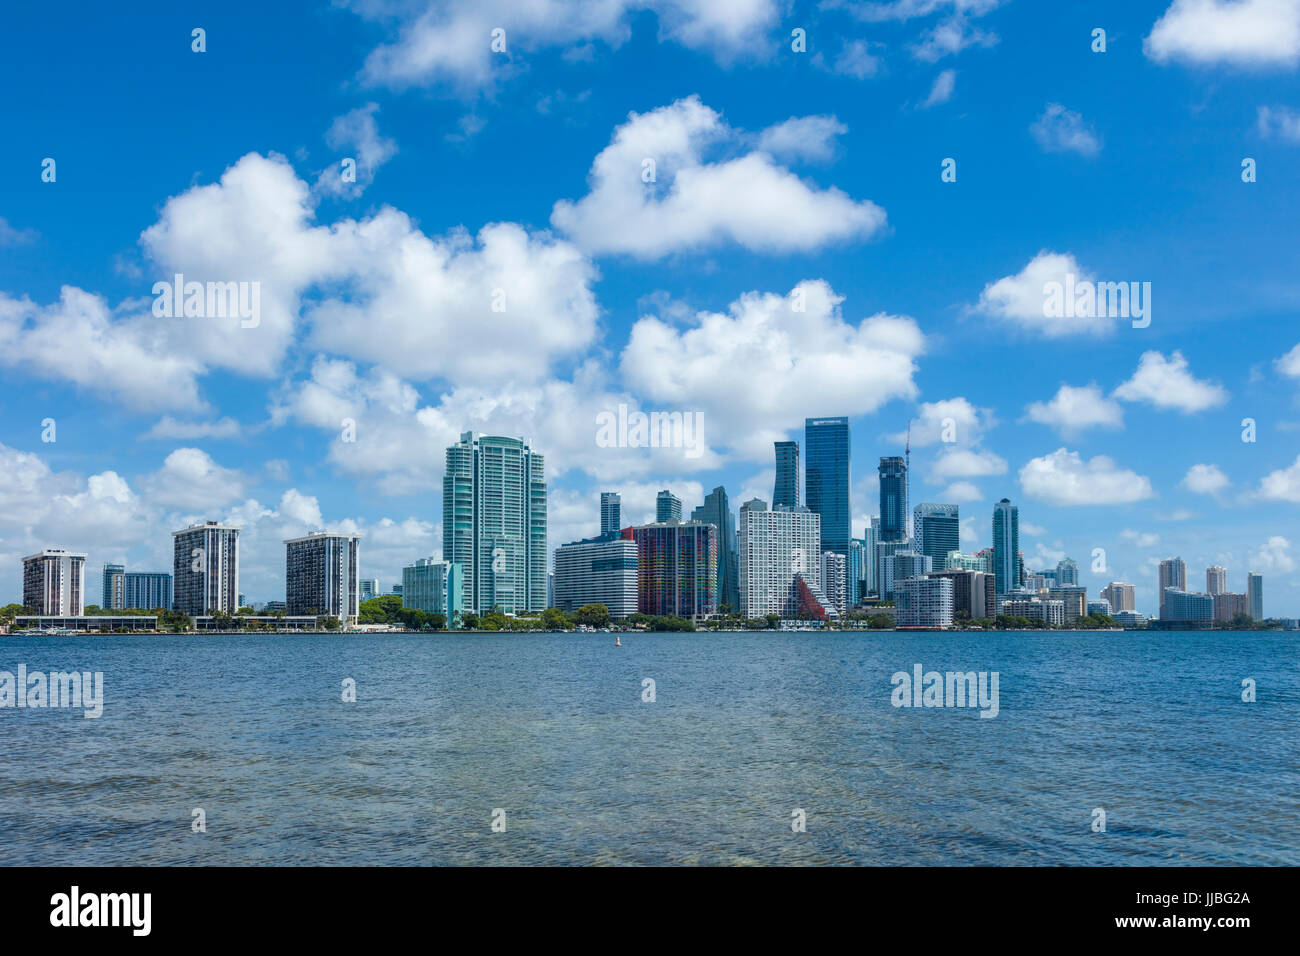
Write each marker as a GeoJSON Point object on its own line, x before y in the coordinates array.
{"type": "Point", "coordinates": [435, 587]}
{"type": "Point", "coordinates": [668, 507]}
{"type": "Point", "coordinates": [677, 568]}
{"type": "Point", "coordinates": [1180, 605]}
{"type": "Point", "coordinates": [857, 559]}
{"type": "Point", "coordinates": [611, 512]}
{"type": "Point", "coordinates": [146, 590]}
{"type": "Point", "coordinates": [936, 530]}
{"type": "Point", "coordinates": [956, 561]}
{"type": "Point", "coordinates": [924, 602]}
{"type": "Point", "coordinates": [893, 499]}
{"type": "Point", "coordinates": [1007, 565]}
{"type": "Point", "coordinates": [205, 569]}
{"type": "Point", "coordinates": [597, 571]}
{"type": "Point", "coordinates": [494, 522]}
{"type": "Point", "coordinates": [1067, 573]}
{"type": "Point", "coordinates": [870, 538]}
{"type": "Point", "coordinates": [1172, 574]}
{"type": "Point", "coordinates": [716, 511]}
{"type": "Point", "coordinates": [972, 592]}
{"type": "Point", "coordinates": [900, 566]}
{"type": "Point", "coordinates": [1122, 597]}
{"type": "Point", "coordinates": [786, 491]}
{"type": "Point", "coordinates": [114, 585]}
{"type": "Point", "coordinates": [884, 566]}
{"type": "Point", "coordinates": [1216, 580]}
{"type": "Point", "coordinates": [1075, 599]}
{"type": "Point", "coordinates": [827, 479]}
{"type": "Point", "coordinates": [54, 583]}
{"type": "Point", "coordinates": [1255, 595]}
{"type": "Point", "coordinates": [370, 589]}
{"type": "Point", "coordinates": [321, 575]}
{"type": "Point", "coordinates": [835, 580]}
{"type": "Point", "coordinates": [775, 547]}
{"type": "Point", "coordinates": [1228, 605]}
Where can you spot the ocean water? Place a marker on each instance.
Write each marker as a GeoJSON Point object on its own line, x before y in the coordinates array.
{"type": "Point", "coordinates": [744, 730]}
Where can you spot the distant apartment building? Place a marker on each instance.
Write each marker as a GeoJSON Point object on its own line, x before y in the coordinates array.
{"type": "Point", "coordinates": [956, 561]}
{"type": "Point", "coordinates": [900, 566]}
{"type": "Point", "coordinates": [1099, 607]}
{"type": "Point", "coordinates": [1074, 599]}
{"type": "Point", "coordinates": [677, 568]}
{"type": "Point", "coordinates": [370, 589]}
{"type": "Point", "coordinates": [716, 511]}
{"type": "Point", "coordinates": [827, 479]}
{"type": "Point", "coordinates": [775, 546]}
{"type": "Point", "coordinates": [1007, 565]}
{"type": "Point", "coordinates": [54, 583]}
{"type": "Point", "coordinates": [1179, 605]}
{"type": "Point", "coordinates": [786, 489]}
{"type": "Point", "coordinates": [611, 512]}
{"type": "Point", "coordinates": [936, 529]}
{"type": "Point", "coordinates": [114, 598]}
{"type": "Point", "coordinates": [147, 590]}
{"type": "Point", "coordinates": [892, 472]}
{"type": "Point", "coordinates": [924, 602]}
{"type": "Point", "coordinates": [668, 507]}
{"type": "Point", "coordinates": [599, 570]}
{"type": "Point", "coordinates": [1255, 595]}
{"type": "Point", "coordinates": [973, 592]}
{"type": "Point", "coordinates": [1216, 579]}
{"type": "Point", "coordinates": [1122, 597]}
{"type": "Point", "coordinates": [205, 569]}
{"type": "Point", "coordinates": [1067, 573]}
{"type": "Point", "coordinates": [435, 587]}
{"type": "Point", "coordinates": [1050, 612]}
{"type": "Point", "coordinates": [1228, 605]}
{"type": "Point", "coordinates": [1172, 574]}
{"type": "Point", "coordinates": [835, 580]}
{"type": "Point", "coordinates": [321, 575]}
{"type": "Point", "coordinates": [494, 522]}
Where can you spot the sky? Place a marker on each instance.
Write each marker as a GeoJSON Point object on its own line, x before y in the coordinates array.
{"type": "Point", "coordinates": [514, 218]}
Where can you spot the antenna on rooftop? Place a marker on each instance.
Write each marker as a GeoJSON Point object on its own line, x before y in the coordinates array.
{"type": "Point", "coordinates": [907, 484]}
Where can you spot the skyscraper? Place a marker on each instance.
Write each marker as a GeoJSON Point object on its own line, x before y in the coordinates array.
{"type": "Point", "coordinates": [114, 584]}
{"type": "Point", "coordinates": [1006, 546]}
{"type": "Point", "coordinates": [1255, 595]}
{"type": "Point", "coordinates": [835, 580]}
{"type": "Point", "coordinates": [146, 590]}
{"type": "Point", "coordinates": [54, 583]}
{"type": "Point", "coordinates": [1172, 574]}
{"type": "Point", "coordinates": [1067, 572]}
{"type": "Point", "coordinates": [893, 499]}
{"type": "Point", "coordinates": [494, 522]}
{"type": "Point", "coordinates": [435, 587]}
{"type": "Point", "coordinates": [1120, 595]}
{"type": "Point", "coordinates": [677, 568]}
{"type": "Point", "coordinates": [597, 571]}
{"type": "Point", "coordinates": [611, 512]}
{"type": "Point", "coordinates": [786, 491]}
{"type": "Point", "coordinates": [322, 576]}
{"type": "Point", "coordinates": [827, 479]}
{"type": "Point", "coordinates": [936, 530]}
{"type": "Point", "coordinates": [205, 569]}
{"type": "Point", "coordinates": [1216, 580]}
{"type": "Point", "coordinates": [716, 511]}
{"type": "Point", "coordinates": [668, 507]}
{"type": "Point", "coordinates": [776, 547]}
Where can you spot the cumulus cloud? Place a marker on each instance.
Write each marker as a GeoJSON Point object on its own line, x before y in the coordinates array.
{"type": "Point", "coordinates": [1282, 484]}
{"type": "Point", "coordinates": [189, 480]}
{"type": "Point", "coordinates": [1074, 410]}
{"type": "Point", "coordinates": [1249, 33]}
{"type": "Point", "coordinates": [854, 59]}
{"type": "Point", "coordinates": [955, 462]}
{"type": "Point", "coordinates": [9, 236]}
{"type": "Point", "coordinates": [1019, 300]}
{"type": "Point", "coordinates": [1205, 479]}
{"type": "Point", "coordinates": [802, 137]}
{"type": "Point", "coordinates": [1274, 555]}
{"type": "Point", "coordinates": [1064, 478]}
{"type": "Point", "coordinates": [1167, 383]}
{"type": "Point", "coordinates": [1280, 122]}
{"type": "Point", "coordinates": [951, 421]}
{"type": "Point", "coordinates": [449, 42]}
{"type": "Point", "coordinates": [356, 135]}
{"type": "Point", "coordinates": [1289, 364]}
{"type": "Point", "coordinates": [692, 203]}
{"type": "Point", "coordinates": [763, 366]}
{"type": "Point", "coordinates": [1059, 130]}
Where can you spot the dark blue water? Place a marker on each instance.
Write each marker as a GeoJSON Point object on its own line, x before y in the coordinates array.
{"type": "Point", "coordinates": [745, 728]}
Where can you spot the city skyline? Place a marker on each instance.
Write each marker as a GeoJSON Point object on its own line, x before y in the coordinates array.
{"type": "Point", "coordinates": [862, 284]}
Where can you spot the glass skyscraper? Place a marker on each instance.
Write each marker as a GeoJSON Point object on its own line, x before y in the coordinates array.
{"type": "Point", "coordinates": [786, 491]}
{"type": "Point", "coordinates": [937, 530]}
{"type": "Point", "coordinates": [893, 499]}
{"type": "Point", "coordinates": [611, 511]}
{"type": "Point", "coordinates": [1006, 546]}
{"type": "Point", "coordinates": [716, 511]}
{"type": "Point", "coordinates": [668, 507]}
{"type": "Point", "coordinates": [494, 522]}
{"type": "Point", "coordinates": [826, 479]}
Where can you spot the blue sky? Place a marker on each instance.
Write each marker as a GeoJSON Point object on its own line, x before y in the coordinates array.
{"type": "Point", "coordinates": [775, 171]}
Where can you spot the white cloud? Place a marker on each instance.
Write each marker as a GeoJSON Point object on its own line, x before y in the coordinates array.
{"type": "Point", "coordinates": [450, 41]}
{"type": "Point", "coordinates": [1289, 364]}
{"type": "Point", "coordinates": [1019, 300]}
{"type": "Point", "coordinates": [1205, 479]}
{"type": "Point", "coordinates": [1251, 33]}
{"type": "Point", "coordinates": [189, 480]}
{"type": "Point", "coordinates": [960, 493]}
{"type": "Point", "coordinates": [1074, 410]}
{"type": "Point", "coordinates": [950, 37]}
{"type": "Point", "coordinates": [9, 236]}
{"type": "Point", "coordinates": [1031, 529]}
{"type": "Point", "coordinates": [170, 428]}
{"type": "Point", "coordinates": [941, 91]}
{"type": "Point", "coordinates": [691, 203]}
{"type": "Point", "coordinates": [1059, 130]}
{"type": "Point", "coordinates": [1167, 383]}
{"type": "Point", "coordinates": [802, 137]}
{"type": "Point", "coordinates": [855, 59]}
{"type": "Point", "coordinates": [1279, 121]}
{"type": "Point", "coordinates": [762, 367]}
{"type": "Point", "coordinates": [1064, 478]}
{"type": "Point", "coordinates": [1142, 539]}
{"type": "Point", "coordinates": [956, 462]}
{"type": "Point", "coordinates": [1275, 555]}
{"type": "Point", "coordinates": [964, 423]}
{"type": "Point", "coordinates": [1282, 485]}
{"type": "Point", "coordinates": [355, 135]}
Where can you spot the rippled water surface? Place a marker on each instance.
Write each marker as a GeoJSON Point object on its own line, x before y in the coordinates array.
{"type": "Point", "coordinates": [745, 728]}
